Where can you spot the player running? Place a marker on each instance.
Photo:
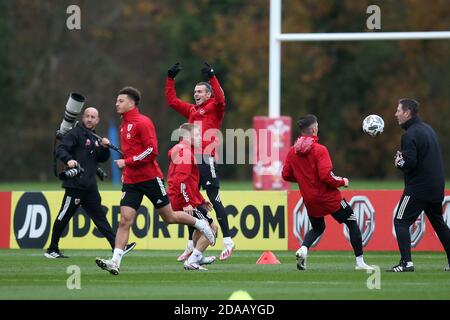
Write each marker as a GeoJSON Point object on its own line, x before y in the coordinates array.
{"type": "Point", "coordinates": [183, 180]}
{"type": "Point", "coordinates": [308, 163]}
{"type": "Point", "coordinates": [141, 176]}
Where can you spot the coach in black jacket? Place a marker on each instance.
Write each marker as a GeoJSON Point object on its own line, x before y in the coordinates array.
{"type": "Point", "coordinates": [420, 159]}
{"type": "Point", "coordinates": [79, 148]}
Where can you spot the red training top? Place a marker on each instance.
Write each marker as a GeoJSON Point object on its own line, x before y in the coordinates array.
{"type": "Point", "coordinates": [183, 177]}
{"type": "Point", "coordinates": [308, 163]}
{"type": "Point", "coordinates": [140, 147]}
{"type": "Point", "coordinates": [210, 113]}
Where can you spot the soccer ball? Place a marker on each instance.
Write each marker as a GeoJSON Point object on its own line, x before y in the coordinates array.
{"type": "Point", "coordinates": [373, 125]}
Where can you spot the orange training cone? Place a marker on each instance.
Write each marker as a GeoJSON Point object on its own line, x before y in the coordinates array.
{"type": "Point", "coordinates": [268, 258]}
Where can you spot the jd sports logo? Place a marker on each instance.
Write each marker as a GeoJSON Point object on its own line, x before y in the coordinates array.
{"type": "Point", "coordinates": [301, 223]}
{"type": "Point", "coordinates": [32, 220]}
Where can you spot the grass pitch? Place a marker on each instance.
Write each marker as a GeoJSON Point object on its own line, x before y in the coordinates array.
{"type": "Point", "coordinates": [156, 275]}
{"type": "Point", "coordinates": [224, 185]}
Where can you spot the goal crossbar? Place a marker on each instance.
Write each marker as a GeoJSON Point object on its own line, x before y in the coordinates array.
{"type": "Point", "coordinates": [276, 37]}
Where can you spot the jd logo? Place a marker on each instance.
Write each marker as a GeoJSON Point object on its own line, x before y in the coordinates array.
{"type": "Point", "coordinates": [301, 223]}
{"type": "Point", "coordinates": [32, 220]}
{"type": "Point", "coordinates": [365, 217]}
{"type": "Point", "coordinates": [416, 230]}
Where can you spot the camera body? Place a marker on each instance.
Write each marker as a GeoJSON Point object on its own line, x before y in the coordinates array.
{"type": "Point", "coordinates": [71, 172]}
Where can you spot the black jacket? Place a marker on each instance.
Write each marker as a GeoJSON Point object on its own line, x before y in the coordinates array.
{"type": "Point", "coordinates": [423, 166]}
{"type": "Point", "coordinates": [79, 145]}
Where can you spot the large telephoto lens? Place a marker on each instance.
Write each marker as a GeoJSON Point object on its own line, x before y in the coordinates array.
{"type": "Point", "coordinates": [73, 108]}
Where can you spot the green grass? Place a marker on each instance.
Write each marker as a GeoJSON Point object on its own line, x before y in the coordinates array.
{"type": "Point", "coordinates": [225, 185]}
{"type": "Point", "coordinates": [56, 185]}
{"type": "Point", "coordinates": [26, 274]}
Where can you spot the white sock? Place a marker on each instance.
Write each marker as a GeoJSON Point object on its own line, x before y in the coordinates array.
{"type": "Point", "coordinates": [198, 223]}
{"type": "Point", "coordinates": [195, 257]}
{"type": "Point", "coordinates": [409, 264]}
{"type": "Point", "coordinates": [117, 256]}
{"type": "Point", "coordinates": [304, 249]}
{"type": "Point", "coordinates": [227, 240]}
{"type": "Point", "coordinates": [360, 260]}
{"type": "Point", "coordinates": [190, 245]}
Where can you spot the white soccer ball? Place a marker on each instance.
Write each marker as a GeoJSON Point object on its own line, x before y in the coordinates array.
{"type": "Point", "coordinates": [373, 125]}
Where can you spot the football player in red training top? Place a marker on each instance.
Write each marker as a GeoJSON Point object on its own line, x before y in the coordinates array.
{"type": "Point", "coordinates": [183, 179]}
{"type": "Point", "coordinates": [141, 176]}
{"type": "Point", "coordinates": [207, 111]}
{"type": "Point", "coordinates": [308, 163]}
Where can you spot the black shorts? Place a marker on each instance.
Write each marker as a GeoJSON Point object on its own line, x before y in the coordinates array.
{"type": "Point", "coordinates": [154, 190]}
{"type": "Point", "coordinates": [201, 213]}
{"type": "Point", "coordinates": [344, 213]}
{"type": "Point", "coordinates": [209, 177]}
{"type": "Point", "coordinates": [409, 208]}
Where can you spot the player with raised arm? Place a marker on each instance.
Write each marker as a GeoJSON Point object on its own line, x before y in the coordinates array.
{"type": "Point", "coordinates": [207, 111]}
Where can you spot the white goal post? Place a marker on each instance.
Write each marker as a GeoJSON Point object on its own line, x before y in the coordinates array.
{"type": "Point", "coordinates": [276, 37]}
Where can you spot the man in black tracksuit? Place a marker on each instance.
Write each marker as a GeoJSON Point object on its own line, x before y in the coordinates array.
{"type": "Point", "coordinates": [420, 159]}
{"type": "Point", "coordinates": [78, 148]}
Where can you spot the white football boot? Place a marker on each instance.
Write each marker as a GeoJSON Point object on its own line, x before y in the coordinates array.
{"type": "Point", "coordinates": [227, 251]}
{"type": "Point", "coordinates": [193, 266]}
{"type": "Point", "coordinates": [186, 253]}
{"type": "Point", "coordinates": [108, 265]}
{"type": "Point", "coordinates": [363, 266]}
{"type": "Point", "coordinates": [301, 255]}
{"type": "Point", "coordinates": [207, 260]}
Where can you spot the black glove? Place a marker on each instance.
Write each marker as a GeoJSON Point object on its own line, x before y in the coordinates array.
{"type": "Point", "coordinates": [207, 71]}
{"type": "Point", "coordinates": [173, 71]}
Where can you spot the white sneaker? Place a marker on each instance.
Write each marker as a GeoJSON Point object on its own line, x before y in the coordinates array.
{"type": "Point", "coordinates": [193, 266]}
{"type": "Point", "coordinates": [301, 255]}
{"type": "Point", "coordinates": [207, 231]}
{"type": "Point", "coordinates": [108, 265]}
{"type": "Point", "coordinates": [363, 266]}
{"type": "Point", "coordinates": [207, 260]}
{"type": "Point", "coordinates": [186, 254]}
{"type": "Point", "coordinates": [227, 251]}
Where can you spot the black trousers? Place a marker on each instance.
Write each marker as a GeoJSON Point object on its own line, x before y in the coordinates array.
{"type": "Point", "coordinates": [343, 215]}
{"type": "Point", "coordinates": [408, 211]}
{"type": "Point", "coordinates": [91, 201]}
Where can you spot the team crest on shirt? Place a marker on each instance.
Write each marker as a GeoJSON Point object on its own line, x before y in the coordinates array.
{"type": "Point", "coordinates": [129, 127]}
{"type": "Point", "coordinates": [77, 201]}
{"type": "Point", "coordinates": [202, 111]}
{"type": "Point", "coordinates": [87, 143]}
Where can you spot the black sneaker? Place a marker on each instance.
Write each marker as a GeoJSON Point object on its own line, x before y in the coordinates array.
{"type": "Point", "coordinates": [447, 268]}
{"type": "Point", "coordinates": [54, 254]}
{"type": "Point", "coordinates": [401, 267]}
{"type": "Point", "coordinates": [129, 247]}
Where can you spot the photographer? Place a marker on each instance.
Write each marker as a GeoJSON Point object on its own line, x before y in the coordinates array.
{"type": "Point", "coordinates": [82, 152]}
